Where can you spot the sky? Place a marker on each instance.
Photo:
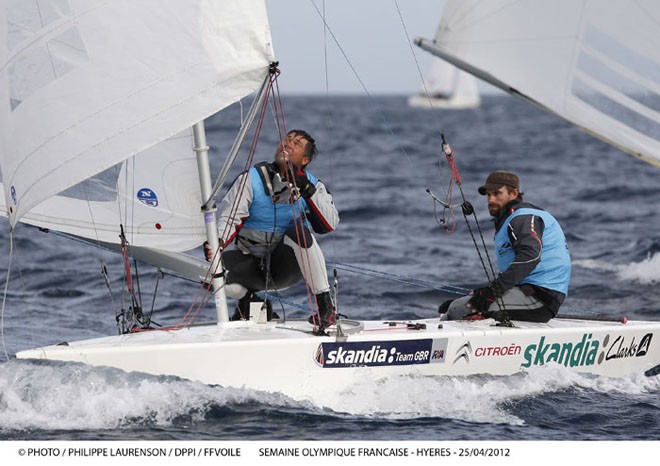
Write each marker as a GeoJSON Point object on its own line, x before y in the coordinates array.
{"type": "Point", "coordinates": [370, 33]}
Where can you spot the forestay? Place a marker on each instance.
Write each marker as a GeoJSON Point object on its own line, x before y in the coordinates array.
{"type": "Point", "coordinates": [595, 63]}
{"type": "Point", "coordinates": [87, 84]}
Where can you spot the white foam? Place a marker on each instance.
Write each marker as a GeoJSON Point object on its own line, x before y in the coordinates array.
{"type": "Point", "coordinates": [482, 399]}
{"type": "Point", "coordinates": [646, 272]}
{"type": "Point", "coordinates": [75, 396]}
{"type": "Point", "coordinates": [405, 397]}
{"type": "Point", "coordinates": [70, 396]}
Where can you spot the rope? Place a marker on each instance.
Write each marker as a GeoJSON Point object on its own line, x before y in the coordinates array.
{"type": "Point", "coordinates": [387, 124]}
{"type": "Point", "coordinates": [419, 70]}
{"type": "Point", "coordinates": [299, 219]}
{"type": "Point", "coordinates": [468, 210]}
{"type": "Point", "coordinates": [328, 121]}
{"type": "Point", "coordinates": [13, 251]}
{"type": "Point", "coordinates": [202, 298]}
{"type": "Point", "coordinates": [400, 278]}
{"type": "Point", "coordinates": [4, 295]}
{"type": "Point", "coordinates": [455, 177]}
{"type": "Point", "coordinates": [303, 247]}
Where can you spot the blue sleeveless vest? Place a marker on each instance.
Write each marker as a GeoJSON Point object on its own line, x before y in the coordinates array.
{"type": "Point", "coordinates": [267, 216]}
{"type": "Point", "coordinates": [554, 270]}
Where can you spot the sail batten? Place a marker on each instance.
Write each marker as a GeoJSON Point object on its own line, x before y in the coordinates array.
{"type": "Point", "coordinates": [596, 64]}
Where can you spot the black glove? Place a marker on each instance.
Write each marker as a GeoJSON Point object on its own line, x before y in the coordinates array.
{"type": "Point", "coordinates": [483, 297]}
{"type": "Point", "coordinates": [444, 307]}
{"type": "Point", "coordinates": [208, 254]}
{"type": "Point", "coordinates": [305, 187]}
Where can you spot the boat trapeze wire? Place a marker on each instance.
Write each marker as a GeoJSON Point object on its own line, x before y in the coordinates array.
{"type": "Point", "coordinates": [400, 278]}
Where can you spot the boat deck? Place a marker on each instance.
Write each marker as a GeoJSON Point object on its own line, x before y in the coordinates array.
{"type": "Point", "coordinates": [245, 331]}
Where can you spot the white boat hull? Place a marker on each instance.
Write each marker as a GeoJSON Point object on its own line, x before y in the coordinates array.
{"type": "Point", "coordinates": [287, 358]}
{"type": "Point", "coordinates": [453, 103]}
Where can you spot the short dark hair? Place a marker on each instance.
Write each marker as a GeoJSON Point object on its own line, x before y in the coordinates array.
{"type": "Point", "coordinates": [520, 193]}
{"type": "Point", "coordinates": [310, 150]}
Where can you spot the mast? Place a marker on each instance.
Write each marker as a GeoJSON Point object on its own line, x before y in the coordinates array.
{"type": "Point", "coordinates": [210, 221]}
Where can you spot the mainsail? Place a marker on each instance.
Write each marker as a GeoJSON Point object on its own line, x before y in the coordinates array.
{"type": "Point", "coordinates": [597, 64]}
{"type": "Point", "coordinates": [88, 84]}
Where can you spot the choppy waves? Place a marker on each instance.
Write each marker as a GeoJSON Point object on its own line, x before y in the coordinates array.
{"type": "Point", "coordinates": [389, 224]}
{"type": "Point", "coordinates": [52, 396]}
{"type": "Point", "coordinates": [645, 272]}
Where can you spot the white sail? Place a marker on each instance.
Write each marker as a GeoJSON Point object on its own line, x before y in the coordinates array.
{"type": "Point", "coordinates": [86, 84]}
{"type": "Point", "coordinates": [441, 78]}
{"type": "Point", "coordinates": [595, 63]}
{"type": "Point", "coordinates": [154, 196]}
{"type": "Point", "coordinates": [447, 87]}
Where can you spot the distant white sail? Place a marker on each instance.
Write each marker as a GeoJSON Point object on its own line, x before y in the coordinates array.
{"type": "Point", "coordinates": [86, 84]}
{"type": "Point", "coordinates": [595, 63]}
{"type": "Point", "coordinates": [447, 87]}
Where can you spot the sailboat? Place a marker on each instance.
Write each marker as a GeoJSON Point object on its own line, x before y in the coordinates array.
{"type": "Point", "coordinates": [447, 87]}
{"type": "Point", "coordinates": [103, 140]}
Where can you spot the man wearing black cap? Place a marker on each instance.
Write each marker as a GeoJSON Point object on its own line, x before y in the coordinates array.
{"type": "Point", "coordinates": [532, 256]}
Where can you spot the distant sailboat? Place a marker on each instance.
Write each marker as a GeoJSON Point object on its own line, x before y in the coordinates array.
{"type": "Point", "coordinates": [447, 87]}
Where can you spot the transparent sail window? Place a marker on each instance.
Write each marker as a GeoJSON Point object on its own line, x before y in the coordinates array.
{"type": "Point", "coordinates": [613, 109]}
{"type": "Point", "coordinates": [618, 82]}
{"type": "Point", "coordinates": [101, 187]}
{"type": "Point", "coordinates": [619, 52]}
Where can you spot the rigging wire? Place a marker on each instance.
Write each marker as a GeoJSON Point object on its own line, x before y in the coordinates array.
{"type": "Point", "coordinates": [401, 278]}
{"type": "Point", "coordinates": [418, 174]}
{"type": "Point", "coordinates": [6, 290]}
{"type": "Point", "coordinates": [195, 309]}
{"type": "Point", "coordinates": [419, 69]}
{"type": "Point", "coordinates": [328, 31]}
{"type": "Point", "coordinates": [328, 124]}
{"type": "Point", "coordinates": [13, 250]}
{"type": "Point", "coordinates": [282, 128]}
{"type": "Point", "coordinates": [159, 276]}
{"type": "Point", "coordinates": [104, 268]}
{"type": "Point", "coordinates": [362, 84]}
{"type": "Point", "coordinates": [466, 207]}
{"type": "Point", "coordinates": [204, 291]}
{"type": "Point", "coordinates": [296, 208]}
{"type": "Point", "coordinates": [447, 205]}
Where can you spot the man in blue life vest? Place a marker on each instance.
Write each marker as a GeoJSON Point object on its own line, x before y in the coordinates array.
{"type": "Point", "coordinates": [532, 256]}
{"type": "Point", "coordinates": [267, 214]}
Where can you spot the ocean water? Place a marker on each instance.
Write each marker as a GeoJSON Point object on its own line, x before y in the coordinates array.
{"type": "Point", "coordinates": [378, 157]}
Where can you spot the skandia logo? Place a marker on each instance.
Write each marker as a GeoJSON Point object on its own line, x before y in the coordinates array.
{"type": "Point", "coordinates": [381, 353]}
{"type": "Point", "coordinates": [568, 353]}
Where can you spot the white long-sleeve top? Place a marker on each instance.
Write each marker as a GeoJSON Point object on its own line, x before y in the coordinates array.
{"type": "Point", "coordinates": [320, 211]}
